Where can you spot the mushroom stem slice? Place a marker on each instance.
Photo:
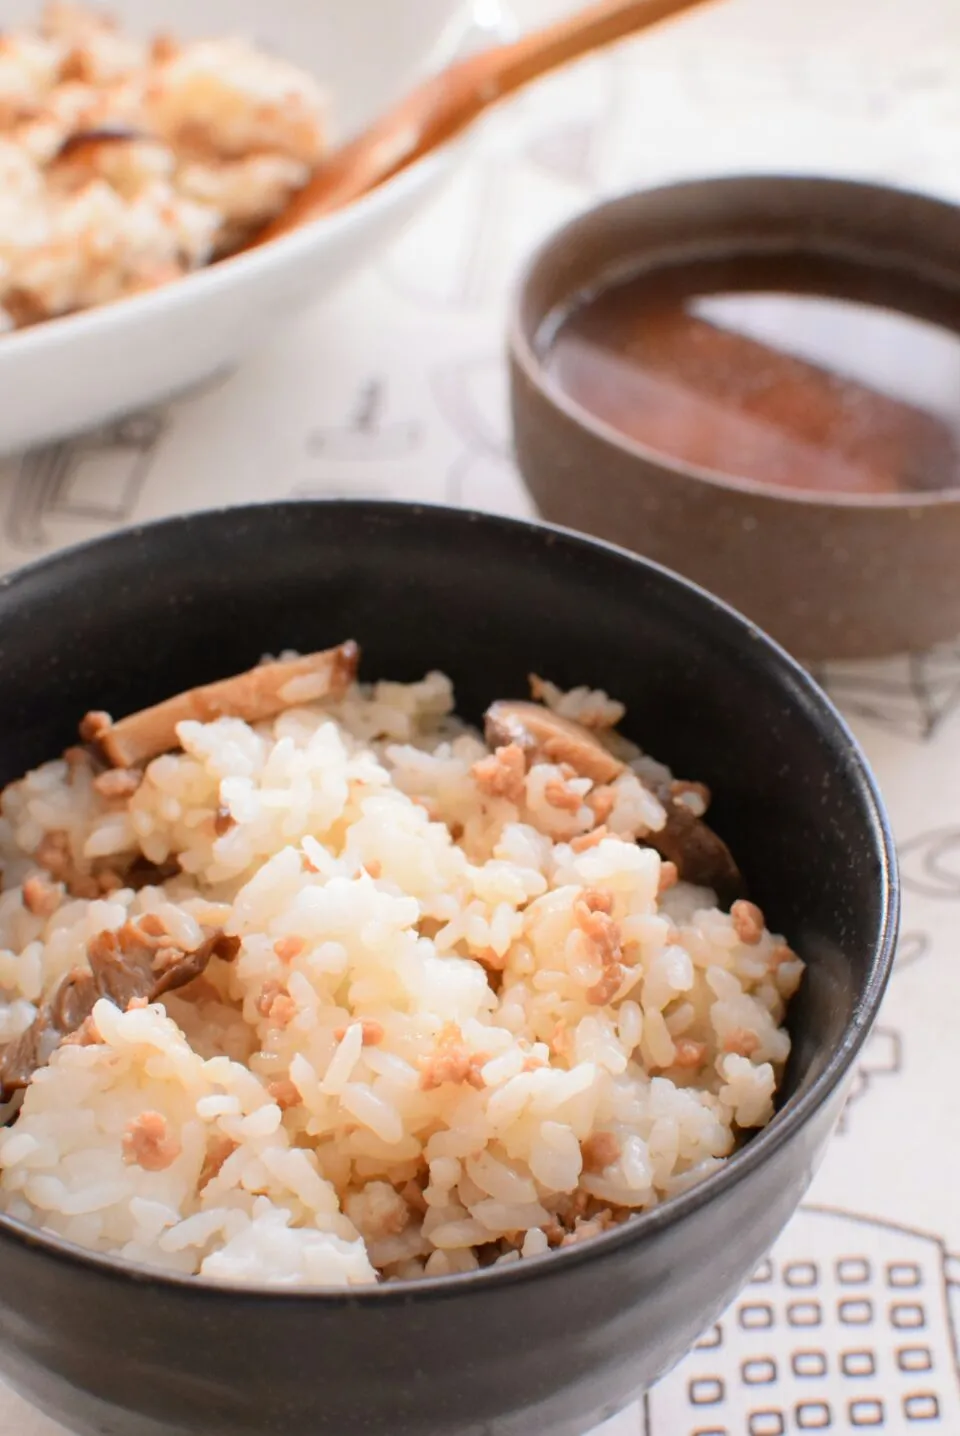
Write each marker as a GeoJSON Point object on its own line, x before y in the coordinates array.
{"type": "Point", "coordinates": [547, 737]}
{"type": "Point", "coordinates": [254, 696]}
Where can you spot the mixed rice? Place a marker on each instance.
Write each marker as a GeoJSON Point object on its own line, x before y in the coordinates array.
{"type": "Point", "coordinates": [126, 163]}
{"type": "Point", "coordinates": [305, 983]}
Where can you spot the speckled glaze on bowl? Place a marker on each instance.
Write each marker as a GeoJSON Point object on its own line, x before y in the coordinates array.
{"type": "Point", "coordinates": [556, 1344]}
{"type": "Point", "coordinates": [830, 576]}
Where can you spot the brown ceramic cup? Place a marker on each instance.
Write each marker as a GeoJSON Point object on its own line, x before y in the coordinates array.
{"type": "Point", "coordinates": [829, 575]}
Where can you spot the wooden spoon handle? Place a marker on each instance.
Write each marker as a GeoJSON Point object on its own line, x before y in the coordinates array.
{"type": "Point", "coordinates": [509, 67]}
{"type": "Point", "coordinates": [447, 103]}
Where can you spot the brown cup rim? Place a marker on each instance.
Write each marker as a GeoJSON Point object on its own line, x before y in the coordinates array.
{"type": "Point", "coordinates": [927, 214]}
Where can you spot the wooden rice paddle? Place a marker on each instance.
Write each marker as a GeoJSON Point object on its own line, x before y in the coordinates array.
{"type": "Point", "coordinates": [446, 104]}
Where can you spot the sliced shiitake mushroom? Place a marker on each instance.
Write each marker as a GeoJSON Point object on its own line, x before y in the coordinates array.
{"type": "Point", "coordinates": [129, 964]}
{"type": "Point", "coordinates": [701, 857]}
{"type": "Point", "coordinates": [547, 737]}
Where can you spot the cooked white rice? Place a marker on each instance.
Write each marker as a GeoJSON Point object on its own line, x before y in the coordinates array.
{"type": "Point", "coordinates": [417, 1063]}
{"type": "Point", "coordinates": [126, 163]}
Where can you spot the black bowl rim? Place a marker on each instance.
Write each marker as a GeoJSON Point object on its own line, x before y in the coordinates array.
{"type": "Point", "coordinates": [787, 1122]}
{"type": "Point", "coordinates": [523, 349]}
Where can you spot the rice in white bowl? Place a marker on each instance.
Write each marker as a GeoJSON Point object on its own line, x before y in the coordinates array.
{"type": "Point", "coordinates": [460, 1012]}
{"type": "Point", "coordinates": [126, 163]}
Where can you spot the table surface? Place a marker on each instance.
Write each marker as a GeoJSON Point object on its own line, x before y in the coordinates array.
{"type": "Point", "coordinates": [396, 387]}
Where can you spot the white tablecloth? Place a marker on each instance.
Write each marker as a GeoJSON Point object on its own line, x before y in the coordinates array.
{"type": "Point", "coordinates": [396, 387]}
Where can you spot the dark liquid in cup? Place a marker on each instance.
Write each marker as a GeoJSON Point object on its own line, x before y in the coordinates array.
{"type": "Point", "coordinates": [792, 371]}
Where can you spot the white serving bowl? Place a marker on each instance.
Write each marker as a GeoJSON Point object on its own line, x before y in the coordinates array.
{"type": "Point", "coordinates": [69, 374]}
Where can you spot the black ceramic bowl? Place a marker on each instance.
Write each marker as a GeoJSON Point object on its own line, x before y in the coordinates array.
{"type": "Point", "coordinates": [555, 1344]}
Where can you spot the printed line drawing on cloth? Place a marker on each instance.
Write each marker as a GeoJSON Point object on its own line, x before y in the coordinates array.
{"type": "Point", "coordinates": [462, 277]}
{"type": "Point", "coordinates": [849, 1326]}
{"type": "Point", "coordinates": [912, 947]}
{"type": "Point", "coordinates": [930, 864]}
{"type": "Point", "coordinates": [570, 147]}
{"type": "Point", "coordinates": [94, 480]}
{"type": "Point", "coordinates": [471, 397]}
{"type": "Point", "coordinates": [569, 151]}
{"type": "Point", "coordinates": [882, 1056]}
{"type": "Point", "coordinates": [496, 207]}
{"type": "Point", "coordinates": [912, 696]}
{"type": "Point", "coordinates": [367, 436]}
